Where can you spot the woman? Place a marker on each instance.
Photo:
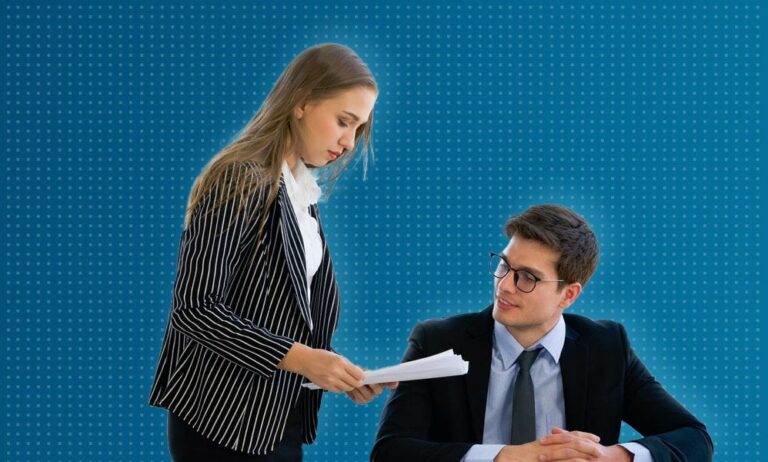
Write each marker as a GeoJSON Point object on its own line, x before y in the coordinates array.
{"type": "Point", "coordinates": [255, 300]}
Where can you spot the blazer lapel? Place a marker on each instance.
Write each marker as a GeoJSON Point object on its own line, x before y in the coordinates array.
{"type": "Point", "coordinates": [315, 213]}
{"type": "Point", "coordinates": [293, 247]}
{"type": "Point", "coordinates": [574, 365]}
{"type": "Point", "coordinates": [478, 353]}
{"type": "Point", "coordinates": [325, 294]}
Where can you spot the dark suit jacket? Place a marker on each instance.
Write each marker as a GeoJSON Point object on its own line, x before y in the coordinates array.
{"type": "Point", "coordinates": [603, 383]}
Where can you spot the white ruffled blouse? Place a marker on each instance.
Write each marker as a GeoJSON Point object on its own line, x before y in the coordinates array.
{"type": "Point", "coordinates": [303, 191]}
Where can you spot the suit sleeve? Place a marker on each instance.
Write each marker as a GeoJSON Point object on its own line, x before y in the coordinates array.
{"type": "Point", "coordinates": [671, 433]}
{"type": "Point", "coordinates": [208, 256]}
{"type": "Point", "coordinates": [405, 422]}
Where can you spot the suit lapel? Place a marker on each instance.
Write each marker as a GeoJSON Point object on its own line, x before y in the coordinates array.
{"type": "Point", "coordinates": [293, 247]}
{"type": "Point", "coordinates": [574, 364]}
{"type": "Point", "coordinates": [478, 353]}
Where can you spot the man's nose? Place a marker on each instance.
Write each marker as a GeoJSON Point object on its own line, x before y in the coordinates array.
{"type": "Point", "coordinates": [507, 283]}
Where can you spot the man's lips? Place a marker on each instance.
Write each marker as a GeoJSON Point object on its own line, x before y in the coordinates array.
{"type": "Point", "coordinates": [505, 305]}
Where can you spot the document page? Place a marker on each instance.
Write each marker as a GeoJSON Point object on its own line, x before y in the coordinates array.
{"type": "Point", "coordinates": [445, 364]}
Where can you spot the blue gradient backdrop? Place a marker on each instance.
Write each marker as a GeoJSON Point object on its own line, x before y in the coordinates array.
{"type": "Point", "coordinates": [644, 117]}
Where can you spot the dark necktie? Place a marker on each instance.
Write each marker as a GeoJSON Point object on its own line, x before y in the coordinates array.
{"type": "Point", "coordinates": [523, 403]}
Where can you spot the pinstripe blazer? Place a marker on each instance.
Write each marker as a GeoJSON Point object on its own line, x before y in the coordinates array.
{"type": "Point", "coordinates": [238, 304]}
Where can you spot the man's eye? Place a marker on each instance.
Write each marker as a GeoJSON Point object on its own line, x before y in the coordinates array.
{"type": "Point", "coordinates": [526, 276]}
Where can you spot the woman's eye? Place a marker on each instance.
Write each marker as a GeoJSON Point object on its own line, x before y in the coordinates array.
{"type": "Point", "coordinates": [342, 124]}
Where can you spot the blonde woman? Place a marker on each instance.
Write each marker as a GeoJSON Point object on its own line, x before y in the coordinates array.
{"type": "Point", "coordinates": [255, 301]}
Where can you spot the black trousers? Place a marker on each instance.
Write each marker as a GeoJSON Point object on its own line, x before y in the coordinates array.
{"type": "Point", "coordinates": [187, 445]}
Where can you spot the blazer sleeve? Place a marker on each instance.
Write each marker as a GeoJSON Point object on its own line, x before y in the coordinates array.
{"type": "Point", "coordinates": [209, 253]}
{"type": "Point", "coordinates": [404, 428]}
{"type": "Point", "coordinates": [671, 433]}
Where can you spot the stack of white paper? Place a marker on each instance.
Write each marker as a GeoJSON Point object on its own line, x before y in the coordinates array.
{"type": "Point", "coordinates": [445, 364]}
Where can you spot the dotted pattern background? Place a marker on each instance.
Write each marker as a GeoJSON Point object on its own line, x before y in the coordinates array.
{"type": "Point", "coordinates": [643, 117]}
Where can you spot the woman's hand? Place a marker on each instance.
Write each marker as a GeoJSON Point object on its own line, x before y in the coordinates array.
{"type": "Point", "coordinates": [366, 393]}
{"type": "Point", "coordinates": [325, 369]}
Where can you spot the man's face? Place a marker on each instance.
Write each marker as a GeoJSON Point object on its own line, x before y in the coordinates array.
{"type": "Point", "coordinates": [529, 316]}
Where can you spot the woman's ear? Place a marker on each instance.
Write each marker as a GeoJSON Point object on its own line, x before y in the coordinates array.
{"type": "Point", "coordinates": [301, 106]}
{"type": "Point", "coordinates": [298, 111]}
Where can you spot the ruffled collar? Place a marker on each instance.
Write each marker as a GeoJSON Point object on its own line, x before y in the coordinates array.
{"type": "Point", "coordinates": [302, 185]}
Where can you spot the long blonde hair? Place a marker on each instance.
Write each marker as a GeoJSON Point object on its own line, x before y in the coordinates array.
{"type": "Point", "coordinates": [318, 73]}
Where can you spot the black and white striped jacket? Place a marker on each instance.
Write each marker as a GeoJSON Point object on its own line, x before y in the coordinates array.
{"type": "Point", "coordinates": [238, 305]}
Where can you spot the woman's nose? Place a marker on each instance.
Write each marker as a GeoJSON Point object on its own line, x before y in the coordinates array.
{"type": "Point", "coordinates": [347, 141]}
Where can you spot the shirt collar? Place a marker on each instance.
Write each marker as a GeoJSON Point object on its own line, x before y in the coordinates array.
{"type": "Point", "coordinates": [301, 185]}
{"type": "Point", "coordinates": [507, 348]}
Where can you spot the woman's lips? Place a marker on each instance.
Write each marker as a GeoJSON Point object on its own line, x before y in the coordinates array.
{"type": "Point", "coordinates": [334, 155]}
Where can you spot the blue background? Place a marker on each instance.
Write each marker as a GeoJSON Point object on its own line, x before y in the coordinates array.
{"type": "Point", "coordinates": [644, 117]}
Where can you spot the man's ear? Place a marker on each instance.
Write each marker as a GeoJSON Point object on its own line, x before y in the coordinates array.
{"type": "Point", "coordinates": [570, 293]}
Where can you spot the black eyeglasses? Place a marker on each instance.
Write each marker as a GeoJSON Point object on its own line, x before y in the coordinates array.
{"type": "Point", "coordinates": [524, 280]}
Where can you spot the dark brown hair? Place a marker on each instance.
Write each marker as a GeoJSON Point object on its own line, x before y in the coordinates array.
{"type": "Point", "coordinates": [563, 231]}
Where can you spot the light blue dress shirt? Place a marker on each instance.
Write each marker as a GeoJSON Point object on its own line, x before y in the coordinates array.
{"type": "Point", "coordinates": [548, 393]}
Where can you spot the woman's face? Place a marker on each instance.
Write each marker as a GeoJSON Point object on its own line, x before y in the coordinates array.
{"type": "Point", "coordinates": [326, 128]}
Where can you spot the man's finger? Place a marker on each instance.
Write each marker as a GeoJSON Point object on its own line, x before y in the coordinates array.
{"type": "Point", "coordinates": [560, 453]}
{"type": "Point", "coordinates": [587, 447]}
{"type": "Point", "coordinates": [560, 438]}
{"type": "Point", "coordinates": [586, 435]}
{"type": "Point", "coordinates": [589, 436]}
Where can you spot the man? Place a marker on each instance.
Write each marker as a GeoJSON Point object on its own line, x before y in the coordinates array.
{"type": "Point", "coordinates": [541, 385]}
